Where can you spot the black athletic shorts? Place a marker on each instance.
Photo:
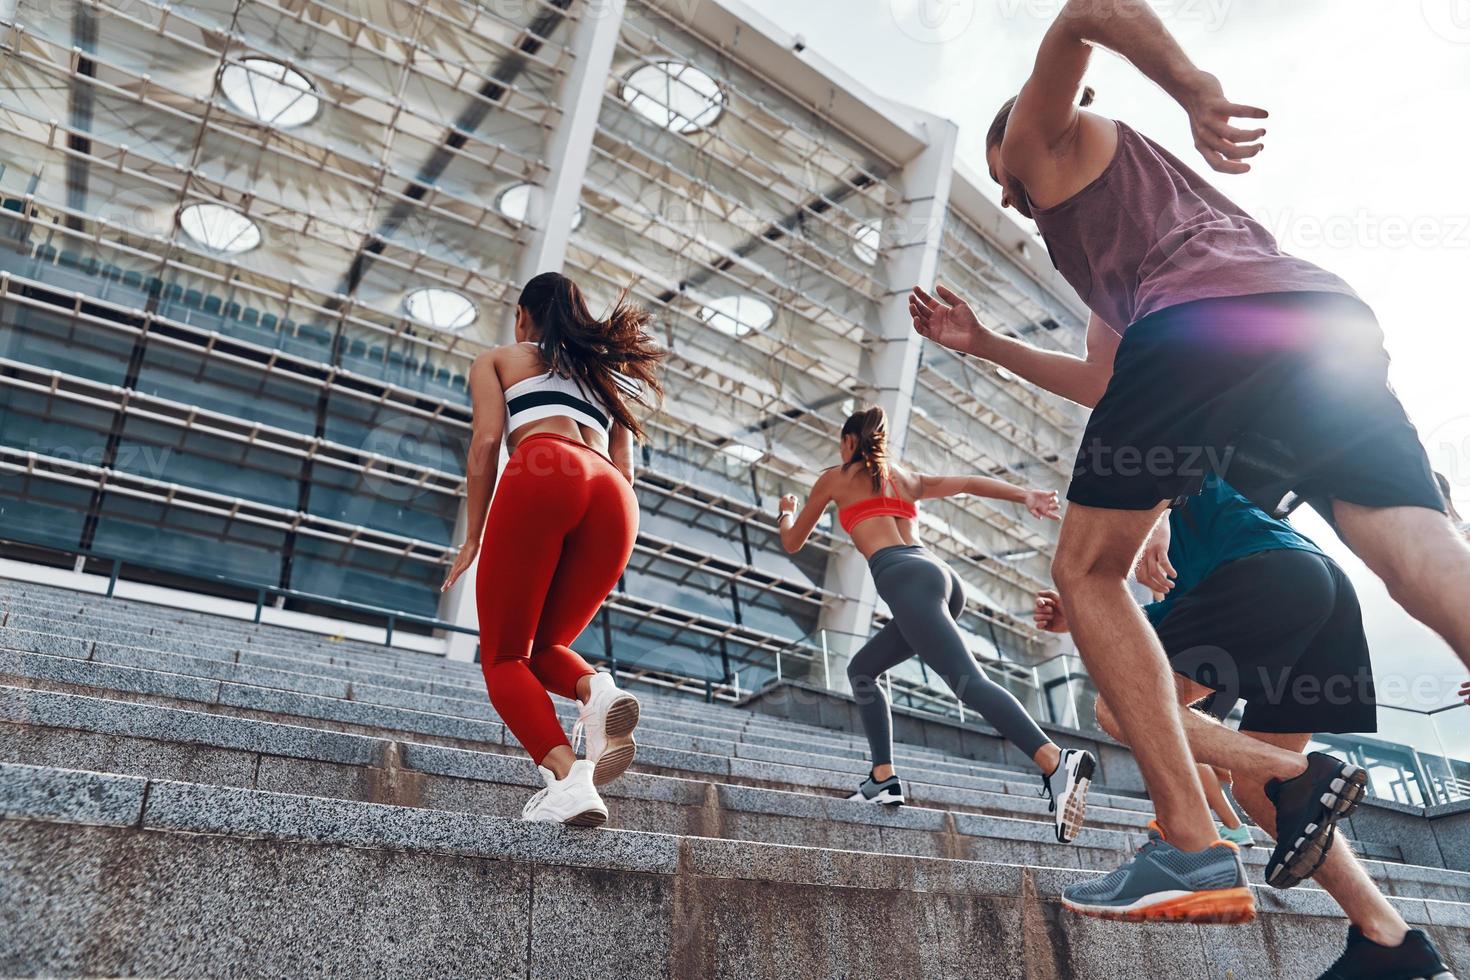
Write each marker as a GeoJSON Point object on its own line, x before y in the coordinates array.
{"type": "Point", "coordinates": [1282, 631]}
{"type": "Point", "coordinates": [1305, 371]}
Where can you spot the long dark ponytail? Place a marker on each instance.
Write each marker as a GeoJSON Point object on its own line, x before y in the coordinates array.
{"type": "Point", "coordinates": [575, 344]}
{"type": "Point", "coordinates": [870, 428]}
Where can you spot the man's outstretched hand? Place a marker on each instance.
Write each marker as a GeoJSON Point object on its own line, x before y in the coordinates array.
{"type": "Point", "coordinates": [948, 321]}
{"type": "Point", "coordinates": [1224, 146]}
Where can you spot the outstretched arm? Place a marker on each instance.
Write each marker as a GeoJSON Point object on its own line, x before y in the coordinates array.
{"type": "Point", "coordinates": [486, 434]}
{"type": "Point", "coordinates": [1041, 503]}
{"type": "Point", "coordinates": [797, 528]}
{"type": "Point", "coordinates": [948, 321]}
{"type": "Point", "coordinates": [1044, 124]}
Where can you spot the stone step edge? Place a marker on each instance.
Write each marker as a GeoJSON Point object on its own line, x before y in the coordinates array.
{"type": "Point", "coordinates": [374, 750]}
{"type": "Point", "coordinates": [62, 796]}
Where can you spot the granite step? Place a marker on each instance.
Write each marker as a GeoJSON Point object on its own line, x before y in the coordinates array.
{"type": "Point", "coordinates": [675, 755]}
{"type": "Point", "coordinates": [73, 732]}
{"type": "Point", "coordinates": [115, 874]}
{"type": "Point", "coordinates": [770, 741]}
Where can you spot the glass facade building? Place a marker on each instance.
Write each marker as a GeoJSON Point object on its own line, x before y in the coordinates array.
{"type": "Point", "coordinates": [248, 251]}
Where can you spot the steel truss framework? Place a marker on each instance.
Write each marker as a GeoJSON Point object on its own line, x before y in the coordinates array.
{"type": "Point", "coordinates": [295, 366]}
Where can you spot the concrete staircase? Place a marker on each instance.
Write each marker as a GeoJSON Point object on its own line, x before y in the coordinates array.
{"type": "Point", "coordinates": [186, 794]}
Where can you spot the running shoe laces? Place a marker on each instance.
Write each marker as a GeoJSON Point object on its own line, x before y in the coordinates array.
{"type": "Point", "coordinates": [536, 799]}
{"type": "Point", "coordinates": [579, 732]}
{"type": "Point", "coordinates": [1046, 791]}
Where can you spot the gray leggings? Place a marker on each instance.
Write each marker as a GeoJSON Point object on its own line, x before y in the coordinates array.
{"type": "Point", "coordinates": [925, 596]}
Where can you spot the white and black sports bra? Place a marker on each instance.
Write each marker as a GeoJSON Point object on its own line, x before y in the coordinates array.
{"type": "Point", "coordinates": [549, 395]}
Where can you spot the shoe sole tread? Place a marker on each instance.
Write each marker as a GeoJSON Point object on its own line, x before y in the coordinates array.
{"type": "Point", "coordinates": [619, 749]}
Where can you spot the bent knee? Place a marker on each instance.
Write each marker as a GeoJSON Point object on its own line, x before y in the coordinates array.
{"type": "Point", "coordinates": [1071, 570]}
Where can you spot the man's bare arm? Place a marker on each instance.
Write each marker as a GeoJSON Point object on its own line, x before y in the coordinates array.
{"type": "Point", "coordinates": [1079, 379]}
{"type": "Point", "coordinates": [949, 321]}
{"type": "Point", "coordinates": [1044, 123]}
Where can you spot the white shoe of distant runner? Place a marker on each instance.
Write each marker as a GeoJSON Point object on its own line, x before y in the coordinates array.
{"type": "Point", "coordinates": [1067, 788]}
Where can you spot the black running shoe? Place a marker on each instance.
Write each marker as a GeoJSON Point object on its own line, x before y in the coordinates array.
{"type": "Point", "coordinates": [1416, 959]}
{"type": "Point", "coordinates": [889, 792]}
{"type": "Point", "coordinates": [1307, 807]}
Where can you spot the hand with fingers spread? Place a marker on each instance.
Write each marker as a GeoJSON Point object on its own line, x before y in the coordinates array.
{"type": "Point", "coordinates": [1049, 615]}
{"type": "Point", "coordinates": [467, 554]}
{"type": "Point", "coordinates": [1224, 146]}
{"type": "Point", "coordinates": [948, 321]}
{"type": "Point", "coordinates": [1044, 504]}
{"type": "Point", "coordinates": [1154, 571]}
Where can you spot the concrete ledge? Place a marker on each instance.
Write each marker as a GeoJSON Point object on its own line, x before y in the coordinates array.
{"type": "Point", "coordinates": [233, 882]}
{"type": "Point", "coordinates": [69, 796]}
{"type": "Point", "coordinates": [87, 733]}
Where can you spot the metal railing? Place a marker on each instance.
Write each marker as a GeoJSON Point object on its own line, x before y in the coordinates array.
{"type": "Point", "coordinates": [672, 681]}
{"type": "Point", "coordinates": [1421, 758]}
{"type": "Point", "coordinates": [1417, 757]}
{"type": "Point", "coordinates": [391, 618]}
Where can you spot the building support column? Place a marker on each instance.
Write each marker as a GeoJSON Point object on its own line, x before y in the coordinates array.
{"type": "Point", "coordinates": [891, 368]}
{"type": "Point", "coordinates": [555, 202]}
{"type": "Point", "coordinates": [553, 206]}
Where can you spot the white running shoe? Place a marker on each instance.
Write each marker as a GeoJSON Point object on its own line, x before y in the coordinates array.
{"type": "Point", "coordinates": [1067, 788]}
{"type": "Point", "coordinates": [572, 801]}
{"type": "Point", "coordinates": [887, 793]}
{"type": "Point", "coordinates": [607, 721]}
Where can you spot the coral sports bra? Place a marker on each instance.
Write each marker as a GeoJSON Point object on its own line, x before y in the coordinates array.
{"type": "Point", "coordinates": [888, 505]}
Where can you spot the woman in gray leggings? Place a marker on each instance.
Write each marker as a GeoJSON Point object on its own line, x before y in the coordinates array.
{"type": "Point", "coordinates": [877, 506]}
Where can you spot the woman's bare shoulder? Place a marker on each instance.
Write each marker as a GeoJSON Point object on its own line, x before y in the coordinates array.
{"type": "Point", "coordinates": [909, 482]}
{"type": "Point", "coordinates": [513, 363]}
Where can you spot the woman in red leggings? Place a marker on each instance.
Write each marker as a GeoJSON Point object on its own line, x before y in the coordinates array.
{"type": "Point", "coordinates": [560, 529]}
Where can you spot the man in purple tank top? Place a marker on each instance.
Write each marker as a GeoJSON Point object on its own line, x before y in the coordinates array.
{"type": "Point", "coordinates": [1203, 333]}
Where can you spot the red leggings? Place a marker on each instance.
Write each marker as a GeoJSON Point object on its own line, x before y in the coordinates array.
{"type": "Point", "coordinates": [559, 534]}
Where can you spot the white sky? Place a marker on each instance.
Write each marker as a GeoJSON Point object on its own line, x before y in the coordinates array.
{"type": "Point", "coordinates": [1364, 172]}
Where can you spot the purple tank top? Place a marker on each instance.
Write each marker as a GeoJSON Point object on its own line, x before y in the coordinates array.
{"type": "Point", "coordinates": [1150, 233]}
